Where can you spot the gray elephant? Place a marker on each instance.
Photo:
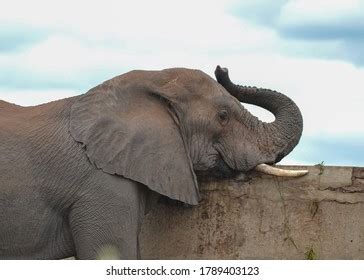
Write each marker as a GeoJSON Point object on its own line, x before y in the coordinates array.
{"type": "Point", "coordinates": [76, 175]}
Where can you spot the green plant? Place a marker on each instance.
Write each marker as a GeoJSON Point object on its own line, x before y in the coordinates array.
{"type": "Point", "coordinates": [311, 254]}
{"type": "Point", "coordinates": [321, 166]}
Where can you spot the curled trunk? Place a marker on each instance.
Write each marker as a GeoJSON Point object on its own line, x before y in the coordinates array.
{"type": "Point", "coordinates": [279, 137]}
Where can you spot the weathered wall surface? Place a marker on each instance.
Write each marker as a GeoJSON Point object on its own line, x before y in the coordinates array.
{"type": "Point", "coordinates": [320, 215]}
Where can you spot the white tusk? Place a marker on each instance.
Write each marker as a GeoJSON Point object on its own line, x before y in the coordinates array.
{"type": "Point", "coordinates": [267, 169]}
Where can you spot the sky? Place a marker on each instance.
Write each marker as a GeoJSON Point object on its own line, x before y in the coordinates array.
{"type": "Point", "coordinates": [310, 50]}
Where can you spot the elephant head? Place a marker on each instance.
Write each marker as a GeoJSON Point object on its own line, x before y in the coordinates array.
{"type": "Point", "coordinates": [159, 128]}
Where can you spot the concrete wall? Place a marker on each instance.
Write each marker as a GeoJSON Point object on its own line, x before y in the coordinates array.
{"type": "Point", "coordinates": [320, 215]}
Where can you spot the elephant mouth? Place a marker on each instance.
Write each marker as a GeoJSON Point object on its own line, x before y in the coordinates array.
{"type": "Point", "coordinates": [220, 170]}
{"type": "Point", "coordinates": [226, 170]}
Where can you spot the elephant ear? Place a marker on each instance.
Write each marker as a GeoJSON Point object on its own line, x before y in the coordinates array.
{"type": "Point", "coordinates": [130, 130]}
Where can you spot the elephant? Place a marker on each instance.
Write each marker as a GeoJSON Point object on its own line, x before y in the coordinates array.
{"type": "Point", "coordinates": [77, 175]}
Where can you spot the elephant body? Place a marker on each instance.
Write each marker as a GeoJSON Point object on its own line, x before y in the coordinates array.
{"type": "Point", "coordinates": [77, 174]}
{"type": "Point", "coordinates": [49, 188]}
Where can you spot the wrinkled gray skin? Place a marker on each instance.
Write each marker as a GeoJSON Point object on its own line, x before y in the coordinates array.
{"type": "Point", "coordinates": [76, 174]}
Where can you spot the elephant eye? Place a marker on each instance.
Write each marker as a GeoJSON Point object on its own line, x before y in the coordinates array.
{"type": "Point", "coordinates": [223, 116]}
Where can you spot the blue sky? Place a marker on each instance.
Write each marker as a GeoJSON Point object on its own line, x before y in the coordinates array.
{"type": "Point", "coordinates": [310, 50]}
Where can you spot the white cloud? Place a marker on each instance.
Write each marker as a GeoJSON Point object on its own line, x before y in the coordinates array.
{"type": "Point", "coordinates": [141, 25]}
{"type": "Point", "coordinates": [320, 11]}
{"type": "Point", "coordinates": [88, 39]}
{"type": "Point", "coordinates": [35, 97]}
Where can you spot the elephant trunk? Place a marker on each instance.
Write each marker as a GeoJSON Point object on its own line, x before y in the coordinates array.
{"type": "Point", "coordinates": [278, 138]}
